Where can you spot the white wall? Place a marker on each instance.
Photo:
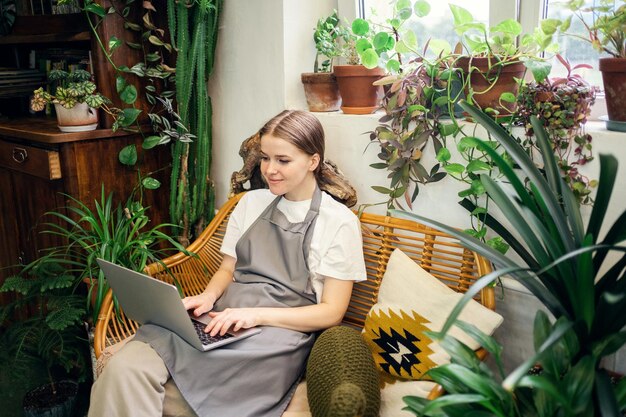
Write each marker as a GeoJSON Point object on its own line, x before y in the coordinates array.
{"type": "Point", "coordinates": [263, 47]}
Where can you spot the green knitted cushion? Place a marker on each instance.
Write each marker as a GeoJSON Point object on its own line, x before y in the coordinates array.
{"type": "Point", "coordinates": [342, 380]}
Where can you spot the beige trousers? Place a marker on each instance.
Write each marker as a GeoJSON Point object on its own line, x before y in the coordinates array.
{"type": "Point", "coordinates": [135, 382]}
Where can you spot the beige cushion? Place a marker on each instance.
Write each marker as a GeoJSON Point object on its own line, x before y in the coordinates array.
{"type": "Point", "coordinates": [391, 403]}
{"type": "Point", "coordinates": [411, 301]}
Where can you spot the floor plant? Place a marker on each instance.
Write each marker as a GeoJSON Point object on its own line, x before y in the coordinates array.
{"type": "Point", "coordinates": [575, 270]}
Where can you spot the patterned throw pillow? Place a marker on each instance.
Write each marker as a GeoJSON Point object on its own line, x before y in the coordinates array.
{"type": "Point", "coordinates": [410, 302]}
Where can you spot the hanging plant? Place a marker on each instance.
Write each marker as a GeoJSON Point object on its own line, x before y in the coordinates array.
{"type": "Point", "coordinates": [563, 104]}
{"type": "Point", "coordinates": [405, 131]}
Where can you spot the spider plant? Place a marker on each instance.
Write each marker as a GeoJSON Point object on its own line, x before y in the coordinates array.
{"type": "Point", "coordinates": [567, 267]}
{"type": "Point", "coordinates": [117, 233]}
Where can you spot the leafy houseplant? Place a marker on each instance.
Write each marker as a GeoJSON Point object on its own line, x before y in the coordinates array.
{"type": "Point", "coordinates": [358, 94]}
{"type": "Point", "coordinates": [52, 338]}
{"type": "Point", "coordinates": [563, 105]}
{"type": "Point", "coordinates": [320, 86]}
{"type": "Point", "coordinates": [189, 39]}
{"type": "Point", "coordinates": [387, 44]}
{"type": "Point", "coordinates": [75, 99]}
{"type": "Point", "coordinates": [565, 265]}
{"type": "Point", "coordinates": [607, 34]}
{"type": "Point", "coordinates": [118, 233]}
{"type": "Point", "coordinates": [495, 59]}
{"type": "Point", "coordinates": [414, 105]}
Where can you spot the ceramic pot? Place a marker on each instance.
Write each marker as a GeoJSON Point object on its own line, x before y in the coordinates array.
{"type": "Point", "coordinates": [614, 79]}
{"type": "Point", "coordinates": [43, 402]}
{"type": "Point", "coordinates": [489, 79]}
{"type": "Point", "coordinates": [321, 91]}
{"type": "Point", "coordinates": [79, 118]}
{"type": "Point", "coordinates": [358, 94]}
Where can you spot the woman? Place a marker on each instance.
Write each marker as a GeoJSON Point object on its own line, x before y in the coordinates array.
{"type": "Point", "coordinates": [291, 255]}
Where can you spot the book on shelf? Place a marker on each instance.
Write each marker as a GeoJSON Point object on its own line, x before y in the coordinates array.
{"type": "Point", "coordinates": [45, 7]}
{"type": "Point", "coordinates": [20, 82]}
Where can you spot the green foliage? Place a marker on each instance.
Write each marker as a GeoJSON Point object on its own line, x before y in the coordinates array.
{"type": "Point", "coordinates": [607, 30]}
{"type": "Point", "coordinates": [118, 233]}
{"type": "Point", "coordinates": [53, 336]}
{"type": "Point", "coordinates": [563, 105]}
{"type": "Point", "coordinates": [192, 193]}
{"type": "Point", "coordinates": [328, 36]}
{"type": "Point", "coordinates": [69, 90]}
{"type": "Point", "coordinates": [566, 267]}
{"type": "Point", "coordinates": [504, 39]}
{"type": "Point", "coordinates": [388, 43]}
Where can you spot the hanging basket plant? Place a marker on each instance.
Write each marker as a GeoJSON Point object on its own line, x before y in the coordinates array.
{"type": "Point", "coordinates": [563, 104]}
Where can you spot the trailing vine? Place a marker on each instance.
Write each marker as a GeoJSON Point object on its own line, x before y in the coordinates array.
{"type": "Point", "coordinates": [179, 108]}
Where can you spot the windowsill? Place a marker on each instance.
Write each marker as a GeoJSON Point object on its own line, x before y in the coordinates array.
{"type": "Point", "coordinates": [592, 126]}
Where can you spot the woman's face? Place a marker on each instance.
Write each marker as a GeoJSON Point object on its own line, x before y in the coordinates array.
{"type": "Point", "coordinates": [287, 169]}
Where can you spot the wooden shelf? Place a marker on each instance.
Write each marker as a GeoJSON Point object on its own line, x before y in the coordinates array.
{"type": "Point", "coordinates": [48, 29]}
{"type": "Point", "coordinates": [47, 38]}
{"type": "Point", "coordinates": [45, 130]}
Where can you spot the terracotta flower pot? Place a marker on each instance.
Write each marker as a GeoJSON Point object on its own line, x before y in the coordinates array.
{"type": "Point", "coordinates": [489, 82]}
{"type": "Point", "coordinates": [614, 79]}
{"type": "Point", "coordinates": [79, 118]}
{"type": "Point", "coordinates": [321, 91]}
{"type": "Point", "coordinates": [358, 94]}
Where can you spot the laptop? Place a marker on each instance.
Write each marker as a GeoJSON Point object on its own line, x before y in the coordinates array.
{"type": "Point", "coordinates": [150, 301]}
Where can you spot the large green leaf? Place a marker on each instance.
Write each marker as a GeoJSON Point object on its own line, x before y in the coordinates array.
{"type": "Point", "coordinates": [605, 394]}
{"type": "Point", "coordinates": [511, 211]}
{"type": "Point", "coordinates": [510, 144]}
{"type": "Point", "coordinates": [608, 172]}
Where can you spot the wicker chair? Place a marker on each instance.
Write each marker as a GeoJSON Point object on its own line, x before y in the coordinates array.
{"type": "Point", "coordinates": [436, 252]}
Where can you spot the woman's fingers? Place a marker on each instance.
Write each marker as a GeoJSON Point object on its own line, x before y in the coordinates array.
{"type": "Point", "coordinates": [224, 320]}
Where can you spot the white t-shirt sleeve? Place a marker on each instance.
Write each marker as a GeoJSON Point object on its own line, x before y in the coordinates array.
{"type": "Point", "coordinates": [234, 228]}
{"type": "Point", "coordinates": [344, 257]}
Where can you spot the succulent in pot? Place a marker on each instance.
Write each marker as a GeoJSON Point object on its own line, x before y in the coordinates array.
{"type": "Point", "coordinates": [75, 100]}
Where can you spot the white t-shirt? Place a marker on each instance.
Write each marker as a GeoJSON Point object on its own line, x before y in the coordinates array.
{"type": "Point", "coordinates": [336, 245]}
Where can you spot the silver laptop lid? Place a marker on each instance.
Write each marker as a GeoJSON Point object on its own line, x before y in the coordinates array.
{"type": "Point", "coordinates": [150, 301]}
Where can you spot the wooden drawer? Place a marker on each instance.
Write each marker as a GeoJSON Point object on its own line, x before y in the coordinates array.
{"type": "Point", "coordinates": [42, 163]}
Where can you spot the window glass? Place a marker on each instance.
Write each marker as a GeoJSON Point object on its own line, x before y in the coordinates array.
{"type": "Point", "coordinates": [576, 51]}
{"type": "Point", "coordinates": [439, 22]}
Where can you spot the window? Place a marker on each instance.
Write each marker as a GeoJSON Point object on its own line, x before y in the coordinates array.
{"type": "Point", "coordinates": [439, 22]}
{"type": "Point", "coordinates": [577, 51]}
{"type": "Point", "coordinates": [439, 25]}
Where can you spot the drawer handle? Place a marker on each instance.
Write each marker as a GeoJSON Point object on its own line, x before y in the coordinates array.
{"type": "Point", "coordinates": [19, 155]}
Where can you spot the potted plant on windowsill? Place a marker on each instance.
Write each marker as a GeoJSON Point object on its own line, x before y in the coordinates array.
{"type": "Point", "coordinates": [320, 86]}
{"type": "Point", "coordinates": [495, 59]}
{"type": "Point", "coordinates": [607, 34]}
{"type": "Point", "coordinates": [356, 79]}
{"type": "Point", "coordinates": [563, 105]}
{"type": "Point", "coordinates": [75, 100]}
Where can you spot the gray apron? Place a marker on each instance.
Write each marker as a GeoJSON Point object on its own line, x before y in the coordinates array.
{"type": "Point", "coordinates": [256, 376]}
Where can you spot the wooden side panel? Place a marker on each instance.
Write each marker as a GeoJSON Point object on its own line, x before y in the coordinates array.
{"type": "Point", "coordinates": [113, 25]}
{"type": "Point", "coordinates": [91, 164]}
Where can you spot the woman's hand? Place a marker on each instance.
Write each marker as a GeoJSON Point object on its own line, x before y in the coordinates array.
{"type": "Point", "coordinates": [200, 303]}
{"type": "Point", "coordinates": [237, 318]}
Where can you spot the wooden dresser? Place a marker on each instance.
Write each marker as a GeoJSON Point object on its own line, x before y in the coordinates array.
{"type": "Point", "coordinates": [38, 163]}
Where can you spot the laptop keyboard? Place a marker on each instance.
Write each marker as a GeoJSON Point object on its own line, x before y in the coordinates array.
{"type": "Point", "coordinates": [205, 337]}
